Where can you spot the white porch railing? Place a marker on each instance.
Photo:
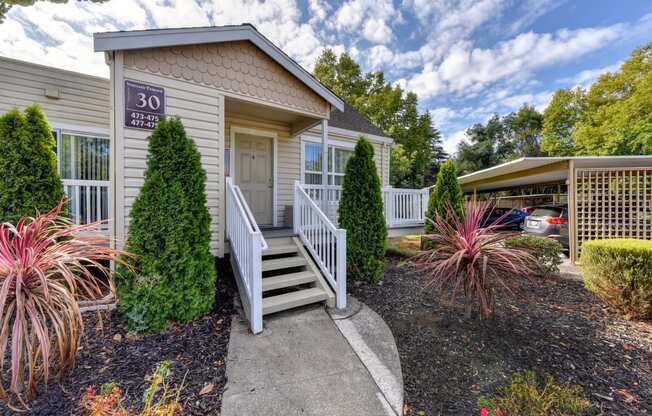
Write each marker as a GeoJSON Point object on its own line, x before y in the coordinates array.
{"type": "Point", "coordinates": [325, 242]}
{"type": "Point", "coordinates": [247, 244]}
{"type": "Point", "coordinates": [403, 207]}
{"type": "Point", "coordinates": [88, 201]}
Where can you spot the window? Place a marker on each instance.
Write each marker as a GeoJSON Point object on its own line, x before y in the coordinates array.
{"type": "Point", "coordinates": [337, 157]}
{"type": "Point", "coordinates": [84, 168]}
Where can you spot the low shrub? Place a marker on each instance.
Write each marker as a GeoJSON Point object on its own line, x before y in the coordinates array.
{"type": "Point", "coordinates": [620, 272]}
{"type": "Point", "coordinates": [159, 398]}
{"type": "Point", "coordinates": [527, 395]}
{"type": "Point", "coordinates": [546, 251]}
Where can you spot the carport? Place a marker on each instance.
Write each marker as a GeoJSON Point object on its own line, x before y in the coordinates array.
{"type": "Point", "coordinates": [608, 196]}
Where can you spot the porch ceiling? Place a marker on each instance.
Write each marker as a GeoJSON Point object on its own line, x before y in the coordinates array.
{"type": "Point", "coordinates": [252, 110]}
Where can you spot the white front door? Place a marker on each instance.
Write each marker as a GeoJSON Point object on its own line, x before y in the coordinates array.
{"type": "Point", "coordinates": [254, 174]}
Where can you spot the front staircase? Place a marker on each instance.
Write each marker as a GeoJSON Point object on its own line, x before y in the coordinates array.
{"type": "Point", "coordinates": [290, 277]}
{"type": "Point", "coordinates": [283, 271]}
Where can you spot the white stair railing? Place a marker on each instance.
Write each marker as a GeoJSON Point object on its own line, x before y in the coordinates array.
{"type": "Point", "coordinates": [327, 198]}
{"type": "Point", "coordinates": [405, 207]}
{"type": "Point", "coordinates": [325, 242]}
{"type": "Point", "coordinates": [247, 244]}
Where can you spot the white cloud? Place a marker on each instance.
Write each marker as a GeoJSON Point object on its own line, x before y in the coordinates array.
{"type": "Point", "coordinates": [465, 68]}
{"type": "Point", "coordinates": [379, 55]}
{"type": "Point", "coordinates": [538, 100]}
{"type": "Point", "coordinates": [442, 115]}
{"type": "Point", "coordinates": [589, 76]}
{"type": "Point", "coordinates": [61, 34]}
{"type": "Point", "coordinates": [377, 31]}
{"type": "Point", "coordinates": [370, 16]}
{"type": "Point", "coordinates": [451, 141]}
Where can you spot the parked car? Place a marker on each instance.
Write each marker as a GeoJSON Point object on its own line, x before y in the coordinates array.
{"type": "Point", "coordinates": [508, 218]}
{"type": "Point", "coordinates": [549, 221]}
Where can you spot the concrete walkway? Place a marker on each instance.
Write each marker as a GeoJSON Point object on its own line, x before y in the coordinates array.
{"type": "Point", "coordinates": [302, 364]}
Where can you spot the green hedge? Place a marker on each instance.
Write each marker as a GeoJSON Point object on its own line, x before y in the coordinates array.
{"type": "Point", "coordinates": [169, 232]}
{"type": "Point", "coordinates": [546, 250]}
{"type": "Point", "coordinates": [361, 214]}
{"type": "Point", "coordinates": [620, 272]}
{"type": "Point", "coordinates": [29, 179]}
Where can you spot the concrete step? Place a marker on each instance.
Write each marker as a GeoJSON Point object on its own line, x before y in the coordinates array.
{"type": "Point", "coordinates": [283, 263]}
{"type": "Point", "coordinates": [274, 250]}
{"type": "Point", "coordinates": [291, 300]}
{"type": "Point", "coordinates": [287, 280]}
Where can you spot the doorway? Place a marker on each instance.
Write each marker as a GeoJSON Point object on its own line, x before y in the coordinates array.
{"type": "Point", "coordinates": [254, 173]}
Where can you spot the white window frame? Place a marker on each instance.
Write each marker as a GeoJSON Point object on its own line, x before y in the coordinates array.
{"type": "Point", "coordinates": [332, 144]}
{"type": "Point", "coordinates": [59, 130]}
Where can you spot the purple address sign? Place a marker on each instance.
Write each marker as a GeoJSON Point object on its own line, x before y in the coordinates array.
{"type": "Point", "coordinates": [144, 105]}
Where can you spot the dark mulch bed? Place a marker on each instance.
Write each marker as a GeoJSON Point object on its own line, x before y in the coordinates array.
{"type": "Point", "coordinates": [197, 351]}
{"type": "Point", "coordinates": [553, 326]}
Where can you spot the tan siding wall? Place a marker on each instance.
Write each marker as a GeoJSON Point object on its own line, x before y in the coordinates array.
{"type": "Point", "coordinates": [84, 100]}
{"type": "Point", "coordinates": [201, 110]}
{"type": "Point", "coordinates": [239, 68]}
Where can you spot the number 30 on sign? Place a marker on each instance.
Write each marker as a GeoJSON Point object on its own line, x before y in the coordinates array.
{"type": "Point", "coordinates": [144, 105]}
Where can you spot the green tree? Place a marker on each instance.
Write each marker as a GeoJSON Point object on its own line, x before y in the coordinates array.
{"type": "Point", "coordinates": [29, 180]}
{"type": "Point", "coordinates": [390, 108]}
{"type": "Point", "coordinates": [400, 166]}
{"type": "Point", "coordinates": [524, 132]}
{"type": "Point", "coordinates": [618, 115]}
{"type": "Point", "coordinates": [446, 192]}
{"type": "Point", "coordinates": [361, 214]}
{"type": "Point", "coordinates": [487, 146]}
{"type": "Point", "coordinates": [173, 276]}
{"type": "Point", "coordinates": [565, 109]}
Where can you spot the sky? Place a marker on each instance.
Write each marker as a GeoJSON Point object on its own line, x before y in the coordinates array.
{"type": "Point", "coordinates": [465, 59]}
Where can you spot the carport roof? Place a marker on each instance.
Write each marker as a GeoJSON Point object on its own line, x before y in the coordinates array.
{"type": "Point", "coordinates": [538, 170]}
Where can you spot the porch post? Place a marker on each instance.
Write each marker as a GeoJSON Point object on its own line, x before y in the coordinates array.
{"type": "Point", "coordinates": [324, 152]}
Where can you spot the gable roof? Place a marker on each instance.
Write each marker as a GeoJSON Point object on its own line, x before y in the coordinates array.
{"type": "Point", "coordinates": [157, 38]}
{"type": "Point", "coordinates": [351, 119]}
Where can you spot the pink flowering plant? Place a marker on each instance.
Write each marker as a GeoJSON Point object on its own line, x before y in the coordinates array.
{"type": "Point", "coordinates": [47, 264]}
{"type": "Point", "coordinates": [470, 256]}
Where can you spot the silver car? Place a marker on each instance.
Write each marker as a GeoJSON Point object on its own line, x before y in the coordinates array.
{"type": "Point", "coordinates": [548, 221]}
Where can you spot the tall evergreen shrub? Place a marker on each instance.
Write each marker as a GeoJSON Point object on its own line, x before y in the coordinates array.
{"type": "Point", "coordinates": [361, 214]}
{"type": "Point", "coordinates": [174, 274]}
{"type": "Point", "coordinates": [447, 191]}
{"type": "Point", "coordinates": [29, 180]}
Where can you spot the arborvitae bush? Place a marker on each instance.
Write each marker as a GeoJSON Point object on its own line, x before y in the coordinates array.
{"type": "Point", "coordinates": [447, 191]}
{"type": "Point", "coordinates": [361, 214]}
{"type": "Point", "coordinates": [174, 274]}
{"type": "Point", "coordinates": [29, 180]}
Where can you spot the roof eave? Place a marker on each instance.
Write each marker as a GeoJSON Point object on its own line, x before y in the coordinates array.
{"type": "Point", "coordinates": [156, 38]}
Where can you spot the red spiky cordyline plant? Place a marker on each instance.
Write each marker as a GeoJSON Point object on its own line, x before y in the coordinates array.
{"type": "Point", "coordinates": [470, 256]}
{"type": "Point", "coordinates": [46, 265]}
